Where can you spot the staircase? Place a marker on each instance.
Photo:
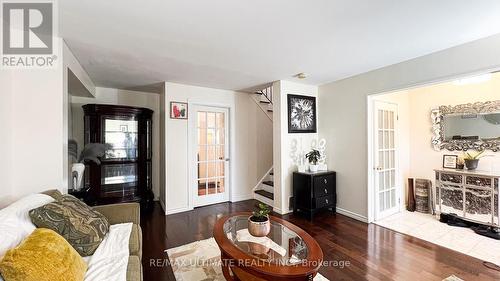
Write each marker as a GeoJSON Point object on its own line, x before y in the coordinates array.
{"type": "Point", "coordinates": [264, 191]}
{"type": "Point", "coordinates": [264, 99]}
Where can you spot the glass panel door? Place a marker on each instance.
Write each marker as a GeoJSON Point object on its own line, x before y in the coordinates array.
{"type": "Point", "coordinates": [385, 144]}
{"type": "Point", "coordinates": [211, 155]}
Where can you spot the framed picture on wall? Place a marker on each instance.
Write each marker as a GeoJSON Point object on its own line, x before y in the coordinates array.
{"type": "Point", "coordinates": [301, 114]}
{"type": "Point", "coordinates": [450, 161]}
{"type": "Point", "coordinates": [178, 110]}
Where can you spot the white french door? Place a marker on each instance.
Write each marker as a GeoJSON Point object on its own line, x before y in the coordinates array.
{"type": "Point", "coordinates": [387, 189]}
{"type": "Point", "coordinates": [210, 160]}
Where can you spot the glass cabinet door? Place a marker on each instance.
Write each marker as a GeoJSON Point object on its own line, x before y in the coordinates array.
{"type": "Point", "coordinates": [119, 179]}
{"type": "Point", "coordinates": [122, 138]}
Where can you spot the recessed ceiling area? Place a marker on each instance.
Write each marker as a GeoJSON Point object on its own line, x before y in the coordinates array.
{"type": "Point", "coordinates": [235, 45]}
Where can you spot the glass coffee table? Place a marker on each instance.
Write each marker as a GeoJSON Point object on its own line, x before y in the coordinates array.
{"type": "Point", "coordinates": [287, 253]}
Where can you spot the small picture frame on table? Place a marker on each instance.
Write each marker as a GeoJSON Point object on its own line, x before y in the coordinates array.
{"type": "Point", "coordinates": [450, 161]}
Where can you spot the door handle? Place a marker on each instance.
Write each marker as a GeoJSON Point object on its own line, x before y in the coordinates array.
{"type": "Point", "coordinates": [378, 168]}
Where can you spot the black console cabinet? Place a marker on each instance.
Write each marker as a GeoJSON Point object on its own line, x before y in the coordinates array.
{"type": "Point", "coordinates": [313, 191]}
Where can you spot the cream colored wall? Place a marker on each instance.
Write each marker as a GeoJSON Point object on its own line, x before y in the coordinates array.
{"type": "Point", "coordinates": [283, 165]}
{"type": "Point", "coordinates": [423, 156]}
{"type": "Point", "coordinates": [343, 110]}
{"type": "Point", "coordinates": [250, 135]}
{"type": "Point", "coordinates": [122, 97]}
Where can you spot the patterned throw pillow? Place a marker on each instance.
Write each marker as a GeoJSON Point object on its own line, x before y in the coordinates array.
{"type": "Point", "coordinates": [81, 226]}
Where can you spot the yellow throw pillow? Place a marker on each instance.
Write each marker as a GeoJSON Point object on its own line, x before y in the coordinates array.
{"type": "Point", "coordinates": [43, 256]}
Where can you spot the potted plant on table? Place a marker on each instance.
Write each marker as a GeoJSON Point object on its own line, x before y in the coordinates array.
{"type": "Point", "coordinates": [258, 223]}
{"type": "Point", "coordinates": [472, 160]}
{"type": "Point", "coordinates": [313, 158]}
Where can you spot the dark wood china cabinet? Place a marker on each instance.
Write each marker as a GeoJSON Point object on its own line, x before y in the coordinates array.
{"type": "Point", "coordinates": [125, 172]}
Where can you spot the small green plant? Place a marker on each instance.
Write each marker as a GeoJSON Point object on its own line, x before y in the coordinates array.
{"type": "Point", "coordinates": [313, 156]}
{"type": "Point", "coordinates": [260, 215]}
{"type": "Point", "coordinates": [474, 156]}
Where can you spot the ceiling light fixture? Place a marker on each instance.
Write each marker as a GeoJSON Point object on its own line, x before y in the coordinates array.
{"type": "Point", "coordinates": [301, 75]}
{"type": "Point", "coordinates": [473, 79]}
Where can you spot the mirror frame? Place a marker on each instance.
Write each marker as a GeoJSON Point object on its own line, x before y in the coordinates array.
{"type": "Point", "coordinates": [438, 140]}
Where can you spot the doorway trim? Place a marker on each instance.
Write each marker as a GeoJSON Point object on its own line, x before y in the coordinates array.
{"type": "Point", "coordinates": [373, 95]}
{"type": "Point", "coordinates": [190, 153]}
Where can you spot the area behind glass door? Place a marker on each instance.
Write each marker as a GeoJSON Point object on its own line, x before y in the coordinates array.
{"type": "Point", "coordinates": [121, 136]}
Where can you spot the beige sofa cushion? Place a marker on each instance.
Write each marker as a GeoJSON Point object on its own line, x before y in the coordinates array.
{"type": "Point", "coordinates": [134, 269]}
{"type": "Point", "coordinates": [135, 241]}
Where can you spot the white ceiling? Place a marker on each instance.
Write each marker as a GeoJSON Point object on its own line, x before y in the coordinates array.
{"type": "Point", "coordinates": [236, 44]}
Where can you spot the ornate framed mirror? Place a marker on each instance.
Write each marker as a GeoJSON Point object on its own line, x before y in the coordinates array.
{"type": "Point", "coordinates": [472, 126]}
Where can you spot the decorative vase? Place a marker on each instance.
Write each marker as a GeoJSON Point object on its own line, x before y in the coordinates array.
{"type": "Point", "coordinates": [259, 228]}
{"type": "Point", "coordinates": [471, 164]}
{"type": "Point", "coordinates": [411, 196]}
{"type": "Point", "coordinates": [301, 168]}
{"type": "Point", "coordinates": [313, 168]}
{"type": "Point", "coordinates": [79, 168]}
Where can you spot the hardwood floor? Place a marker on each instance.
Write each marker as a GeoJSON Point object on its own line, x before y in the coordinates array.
{"type": "Point", "coordinates": [374, 252]}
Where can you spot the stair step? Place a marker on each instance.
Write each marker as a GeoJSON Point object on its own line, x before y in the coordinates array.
{"type": "Point", "coordinates": [269, 110]}
{"type": "Point", "coordinates": [257, 205]}
{"type": "Point", "coordinates": [266, 194]}
{"type": "Point", "coordinates": [270, 183]}
{"type": "Point", "coordinates": [265, 101]}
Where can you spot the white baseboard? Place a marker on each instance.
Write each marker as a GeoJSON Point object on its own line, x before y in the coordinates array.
{"type": "Point", "coordinates": [277, 210]}
{"type": "Point", "coordinates": [178, 210]}
{"type": "Point", "coordinates": [352, 215]}
{"type": "Point", "coordinates": [236, 198]}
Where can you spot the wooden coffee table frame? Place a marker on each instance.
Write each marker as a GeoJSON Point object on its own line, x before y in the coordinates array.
{"type": "Point", "coordinates": [232, 255]}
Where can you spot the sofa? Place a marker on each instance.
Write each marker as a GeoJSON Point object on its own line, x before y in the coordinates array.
{"type": "Point", "coordinates": [122, 213]}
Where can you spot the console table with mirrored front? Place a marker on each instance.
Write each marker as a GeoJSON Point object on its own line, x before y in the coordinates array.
{"type": "Point", "coordinates": [125, 172]}
{"type": "Point", "coordinates": [471, 195]}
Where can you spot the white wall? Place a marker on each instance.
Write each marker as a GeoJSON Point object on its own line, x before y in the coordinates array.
{"type": "Point", "coordinates": [250, 136]}
{"type": "Point", "coordinates": [38, 131]}
{"type": "Point", "coordinates": [6, 137]}
{"type": "Point", "coordinates": [163, 148]}
{"type": "Point", "coordinates": [122, 97]}
{"type": "Point", "coordinates": [343, 109]}
{"type": "Point", "coordinates": [283, 165]}
{"type": "Point", "coordinates": [71, 63]}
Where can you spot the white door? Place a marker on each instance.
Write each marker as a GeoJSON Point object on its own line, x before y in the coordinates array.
{"type": "Point", "coordinates": [387, 189]}
{"type": "Point", "coordinates": [210, 163]}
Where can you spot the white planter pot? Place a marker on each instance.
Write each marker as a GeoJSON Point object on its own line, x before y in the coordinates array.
{"type": "Point", "coordinates": [313, 168]}
{"type": "Point", "coordinates": [79, 168]}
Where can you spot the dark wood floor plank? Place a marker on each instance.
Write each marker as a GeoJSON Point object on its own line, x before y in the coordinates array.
{"type": "Point", "coordinates": [374, 253]}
